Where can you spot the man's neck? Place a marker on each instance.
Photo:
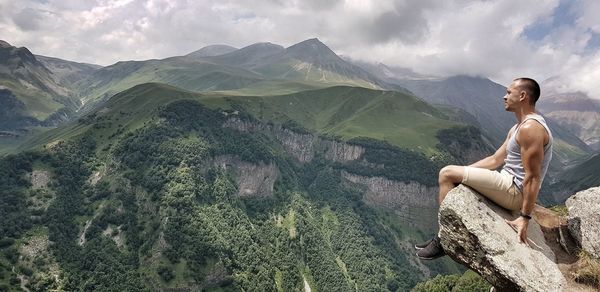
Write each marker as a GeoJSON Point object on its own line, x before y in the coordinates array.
{"type": "Point", "coordinates": [522, 113]}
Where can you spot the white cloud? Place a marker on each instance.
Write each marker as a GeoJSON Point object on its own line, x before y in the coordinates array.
{"type": "Point", "coordinates": [433, 37]}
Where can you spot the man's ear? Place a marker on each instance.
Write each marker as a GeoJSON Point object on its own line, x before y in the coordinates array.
{"type": "Point", "coordinates": [522, 95]}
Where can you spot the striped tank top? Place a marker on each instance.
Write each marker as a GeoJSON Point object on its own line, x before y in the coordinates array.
{"type": "Point", "coordinates": [513, 163]}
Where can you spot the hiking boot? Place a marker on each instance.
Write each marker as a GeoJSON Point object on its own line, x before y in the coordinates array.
{"type": "Point", "coordinates": [420, 246]}
{"type": "Point", "coordinates": [433, 251]}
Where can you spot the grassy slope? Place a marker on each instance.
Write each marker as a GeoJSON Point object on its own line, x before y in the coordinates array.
{"type": "Point", "coordinates": [350, 112]}
{"type": "Point", "coordinates": [124, 112]}
{"type": "Point", "coordinates": [345, 112]}
{"type": "Point", "coordinates": [181, 72]}
{"type": "Point", "coordinates": [38, 104]}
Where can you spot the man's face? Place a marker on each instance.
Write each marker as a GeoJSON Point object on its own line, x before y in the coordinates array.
{"type": "Point", "coordinates": [512, 98]}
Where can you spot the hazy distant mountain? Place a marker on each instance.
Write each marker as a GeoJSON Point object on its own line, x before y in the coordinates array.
{"type": "Point", "coordinates": [31, 92]}
{"type": "Point", "coordinates": [20, 66]}
{"type": "Point", "coordinates": [212, 50]}
{"type": "Point", "coordinates": [313, 60]}
{"type": "Point", "coordinates": [575, 112]}
{"type": "Point", "coordinates": [249, 57]}
{"type": "Point", "coordinates": [388, 73]}
{"type": "Point", "coordinates": [579, 177]}
{"type": "Point", "coordinates": [310, 60]}
{"type": "Point", "coordinates": [67, 73]}
{"type": "Point", "coordinates": [480, 97]}
{"type": "Point", "coordinates": [184, 72]}
{"type": "Point", "coordinates": [261, 68]}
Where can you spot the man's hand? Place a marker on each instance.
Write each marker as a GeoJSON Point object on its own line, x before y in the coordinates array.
{"type": "Point", "coordinates": [520, 225]}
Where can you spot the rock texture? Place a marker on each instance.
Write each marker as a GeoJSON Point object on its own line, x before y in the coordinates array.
{"type": "Point", "coordinates": [252, 179]}
{"type": "Point", "coordinates": [40, 179]}
{"type": "Point", "coordinates": [301, 146]}
{"type": "Point", "coordinates": [393, 194]}
{"type": "Point", "coordinates": [474, 233]}
{"type": "Point", "coordinates": [408, 200]}
{"type": "Point", "coordinates": [342, 152]}
{"type": "Point", "coordinates": [584, 219]}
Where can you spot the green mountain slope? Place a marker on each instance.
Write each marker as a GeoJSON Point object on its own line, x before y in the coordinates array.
{"type": "Point", "coordinates": [341, 112]}
{"type": "Point", "coordinates": [145, 193]}
{"type": "Point", "coordinates": [349, 112]}
{"type": "Point", "coordinates": [124, 112]}
{"type": "Point", "coordinates": [67, 73]}
{"type": "Point", "coordinates": [182, 72]}
{"type": "Point", "coordinates": [37, 93]}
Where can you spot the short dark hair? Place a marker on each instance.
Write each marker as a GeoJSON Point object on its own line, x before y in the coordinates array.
{"type": "Point", "coordinates": [531, 87]}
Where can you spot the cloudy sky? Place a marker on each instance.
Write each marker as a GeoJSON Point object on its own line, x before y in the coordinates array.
{"type": "Point", "coordinates": [499, 39]}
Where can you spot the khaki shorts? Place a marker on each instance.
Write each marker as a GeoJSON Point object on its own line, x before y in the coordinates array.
{"type": "Point", "coordinates": [496, 186]}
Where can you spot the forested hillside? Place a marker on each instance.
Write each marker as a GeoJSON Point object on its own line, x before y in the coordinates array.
{"type": "Point", "coordinates": [167, 204]}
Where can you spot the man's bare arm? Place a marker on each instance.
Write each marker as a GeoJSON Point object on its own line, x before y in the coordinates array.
{"type": "Point", "coordinates": [495, 160]}
{"type": "Point", "coordinates": [531, 138]}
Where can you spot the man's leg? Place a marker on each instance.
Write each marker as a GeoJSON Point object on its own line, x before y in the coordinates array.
{"type": "Point", "coordinates": [449, 177]}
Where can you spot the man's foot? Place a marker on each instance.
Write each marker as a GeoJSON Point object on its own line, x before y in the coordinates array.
{"type": "Point", "coordinates": [433, 251]}
{"type": "Point", "coordinates": [420, 246]}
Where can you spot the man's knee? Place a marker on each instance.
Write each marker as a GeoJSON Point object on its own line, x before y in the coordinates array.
{"type": "Point", "coordinates": [451, 173]}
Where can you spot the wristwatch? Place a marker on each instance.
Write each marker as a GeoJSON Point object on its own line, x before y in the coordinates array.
{"type": "Point", "coordinates": [528, 217]}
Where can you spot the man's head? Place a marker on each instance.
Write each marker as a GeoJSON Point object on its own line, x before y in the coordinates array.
{"type": "Point", "coordinates": [521, 92]}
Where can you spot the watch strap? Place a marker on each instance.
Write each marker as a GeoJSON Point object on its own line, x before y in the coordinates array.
{"type": "Point", "coordinates": [525, 216]}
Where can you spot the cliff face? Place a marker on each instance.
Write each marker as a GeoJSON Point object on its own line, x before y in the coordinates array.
{"type": "Point", "coordinates": [408, 199]}
{"type": "Point", "coordinates": [253, 180]}
{"type": "Point", "coordinates": [473, 232]}
{"type": "Point", "coordinates": [301, 146]}
{"type": "Point", "coordinates": [342, 152]}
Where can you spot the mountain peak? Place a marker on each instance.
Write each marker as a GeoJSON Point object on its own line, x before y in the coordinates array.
{"type": "Point", "coordinates": [21, 54]}
{"type": "Point", "coordinates": [311, 50]}
{"type": "Point", "coordinates": [263, 45]}
{"type": "Point", "coordinates": [313, 43]}
{"type": "Point", "coordinates": [212, 50]}
{"type": "Point", "coordinates": [4, 44]}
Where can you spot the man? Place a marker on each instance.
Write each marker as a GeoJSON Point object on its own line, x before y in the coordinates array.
{"type": "Point", "coordinates": [526, 154]}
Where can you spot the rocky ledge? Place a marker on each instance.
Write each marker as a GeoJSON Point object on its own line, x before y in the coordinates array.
{"type": "Point", "coordinates": [474, 233]}
{"type": "Point", "coordinates": [584, 220]}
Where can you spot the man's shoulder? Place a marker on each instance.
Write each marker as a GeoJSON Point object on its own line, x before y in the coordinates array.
{"type": "Point", "coordinates": [532, 130]}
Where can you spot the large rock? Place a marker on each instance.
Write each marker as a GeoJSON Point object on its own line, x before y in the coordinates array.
{"type": "Point", "coordinates": [584, 220]}
{"type": "Point", "coordinates": [473, 232]}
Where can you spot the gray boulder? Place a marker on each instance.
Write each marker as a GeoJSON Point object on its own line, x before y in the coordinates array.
{"type": "Point", "coordinates": [584, 219]}
{"type": "Point", "coordinates": [473, 232]}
